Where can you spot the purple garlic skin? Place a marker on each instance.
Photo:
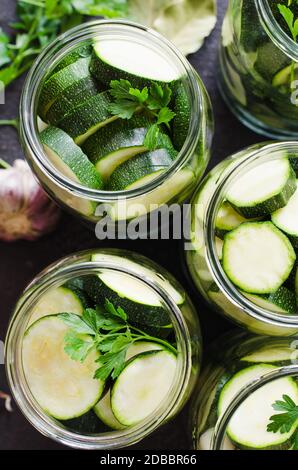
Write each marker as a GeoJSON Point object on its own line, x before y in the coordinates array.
{"type": "Point", "coordinates": [26, 212]}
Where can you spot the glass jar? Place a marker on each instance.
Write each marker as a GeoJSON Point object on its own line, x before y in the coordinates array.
{"type": "Point", "coordinates": [143, 272]}
{"type": "Point", "coordinates": [173, 186]}
{"type": "Point", "coordinates": [268, 368]}
{"type": "Point", "coordinates": [258, 68]}
{"type": "Point", "coordinates": [204, 251]}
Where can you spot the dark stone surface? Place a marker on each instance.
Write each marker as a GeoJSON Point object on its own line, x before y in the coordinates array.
{"type": "Point", "coordinates": [21, 261]}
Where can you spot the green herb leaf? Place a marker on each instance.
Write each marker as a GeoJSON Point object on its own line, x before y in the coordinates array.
{"type": "Point", "coordinates": [283, 422]}
{"type": "Point", "coordinates": [76, 323]}
{"type": "Point", "coordinates": [159, 96]}
{"type": "Point", "coordinates": [119, 312]}
{"type": "Point", "coordinates": [4, 49]}
{"type": "Point", "coordinates": [165, 115]}
{"type": "Point", "coordinates": [78, 346]}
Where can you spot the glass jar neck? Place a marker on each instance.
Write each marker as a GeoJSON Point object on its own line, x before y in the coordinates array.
{"type": "Point", "coordinates": [223, 422]}
{"type": "Point", "coordinates": [277, 35]}
{"type": "Point", "coordinates": [54, 277]}
{"type": "Point", "coordinates": [49, 58]}
{"type": "Point", "coordinates": [242, 162]}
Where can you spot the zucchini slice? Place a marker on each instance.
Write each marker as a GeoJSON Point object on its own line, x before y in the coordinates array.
{"type": "Point", "coordinates": [141, 169]}
{"type": "Point", "coordinates": [283, 77]}
{"type": "Point", "coordinates": [80, 52]}
{"type": "Point", "coordinates": [115, 59]}
{"type": "Point", "coordinates": [59, 82]}
{"type": "Point", "coordinates": [227, 219]}
{"type": "Point", "coordinates": [114, 144]}
{"type": "Point", "coordinates": [263, 189]}
{"type": "Point", "coordinates": [140, 302]}
{"type": "Point", "coordinates": [248, 426]}
{"type": "Point", "coordinates": [68, 158]}
{"type": "Point", "coordinates": [257, 257]}
{"type": "Point", "coordinates": [182, 110]}
{"type": "Point", "coordinates": [87, 118]}
{"type": "Point", "coordinates": [72, 97]}
{"type": "Point", "coordinates": [178, 184]}
{"type": "Point", "coordinates": [142, 386]}
{"type": "Point", "coordinates": [103, 408]}
{"type": "Point", "coordinates": [286, 218]}
{"type": "Point", "coordinates": [281, 301]}
{"type": "Point", "coordinates": [64, 388]}
{"type": "Point", "coordinates": [270, 354]}
{"type": "Point", "coordinates": [57, 300]}
{"type": "Point", "coordinates": [145, 272]}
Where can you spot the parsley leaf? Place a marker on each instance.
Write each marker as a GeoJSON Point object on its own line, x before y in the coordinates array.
{"type": "Point", "coordinates": [78, 346]}
{"type": "Point", "coordinates": [289, 18]}
{"type": "Point", "coordinates": [284, 422]}
{"type": "Point", "coordinates": [153, 102]}
{"type": "Point", "coordinates": [105, 329]}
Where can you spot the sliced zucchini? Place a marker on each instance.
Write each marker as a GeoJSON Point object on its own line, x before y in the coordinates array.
{"type": "Point", "coordinates": [88, 423]}
{"type": "Point", "coordinates": [115, 59]}
{"type": "Point", "coordinates": [282, 301]}
{"type": "Point", "coordinates": [263, 189]}
{"type": "Point", "coordinates": [57, 300]}
{"type": "Point", "coordinates": [286, 218]}
{"type": "Point", "coordinates": [87, 118]}
{"type": "Point", "coordinates": [64, 388]}
{"type": "Point", "coordinates": [145, 272]}
{"type": "Point", "coordinates": [165, 193]}
{"type": "Point", "coordinates": [219, 247]}
{"type": "Point", "coordinates": [80, 52]}
{"type": "Point", "coordinates": [296, 284]}
{"type": "Point", "coordinates": [104, 412]}
{"type": "Point", "coordinates": [103, 408]}
{"type": "Point", "coordinates": [227, 219]}
{"type": "Point", "coordinates": [258, 257]}
{"type": "Point", "coordinates": [182, 110]}
{"type": "Point", "coordinates": [139, 301]}
{"type": "Point", "coordinates": [139, 170]}
{"type": "Point", "coordinates": [270, 354]}
{"type": "Point", "coordinates": [294, 162]}
{"type": "Point", "coordinates": [142, 386]}
{"type": "Point", "coordinates": [68, 158]}
{"type": "Point", "coordinates": [257, 409]}
{"type": "Point", "coordinates": [59, 82]}
{"type": "Point", "coordinates": [283, 77]}
{"type": "Point", "coordinates": [114, 144]}
{"type": "Point", "coordinates": [73, 96]}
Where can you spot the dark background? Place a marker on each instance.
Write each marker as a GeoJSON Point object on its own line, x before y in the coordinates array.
{"type": "Point", "coordinates": [21, 261]}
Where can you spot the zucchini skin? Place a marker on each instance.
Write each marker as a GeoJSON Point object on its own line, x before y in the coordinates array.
{"type": "Point", "coordinates": [182, 110]}
{"type": "Point", "coordinates": [138, 314]}
{"type": "Point", "coordinates": [72, 97]}
{"type": "Point", "coordinates": [79, 53]}
{"type": "Point", "coordinates": [139, 167]}
{"type": "Point", "coordinates": [88, 115]}
{"type": "Point", "coordinates": [59, 82]}
{"type": "Point", "coordinates": [272, 204]}
{"type": "Point", "coordinates": [58, 141]}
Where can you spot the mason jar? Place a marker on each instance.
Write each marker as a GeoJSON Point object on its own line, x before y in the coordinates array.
{"type": "Point", "coordinates": [258, 67]}
{"type": "Point", "coordinates": [49, 293]}
{"type": "Point", "coordinates": [172, 186]}
{"type": "Point", "coordinates": [204, 251]}
{"type": "Point", "coordinates": [245, 377]}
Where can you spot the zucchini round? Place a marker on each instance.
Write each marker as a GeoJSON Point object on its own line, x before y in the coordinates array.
{"type": "Point", "coordinates": [64, 388]}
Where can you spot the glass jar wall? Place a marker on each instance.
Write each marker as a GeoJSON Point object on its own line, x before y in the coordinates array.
{"type": "Point", "coordinates": [258, 65]}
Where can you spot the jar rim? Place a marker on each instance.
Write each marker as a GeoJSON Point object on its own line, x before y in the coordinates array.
{"type": "Point", "coordinates": [32, 85]}
{"type": "Point", "coordinates": [253, 156]}
{"type": "Point", "coordinates": [279, 37]}
{"type": "Point", "coordinates": [223, 422]}
{"type": "Point", "coordinates": [51, 277]}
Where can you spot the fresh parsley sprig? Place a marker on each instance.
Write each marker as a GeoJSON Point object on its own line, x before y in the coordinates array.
{"type": "Point", "coordinates": [106, 330]}
{"type": "Point", "coordinates": [284, 422]}
{"type": "Point", "coordinates": [153, 101]}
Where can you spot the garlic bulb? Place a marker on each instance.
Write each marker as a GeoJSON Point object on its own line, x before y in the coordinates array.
{"type": "Point", "coordinates": [26, 212]}
{"type": "Point", "coordinates": [7, 401]}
